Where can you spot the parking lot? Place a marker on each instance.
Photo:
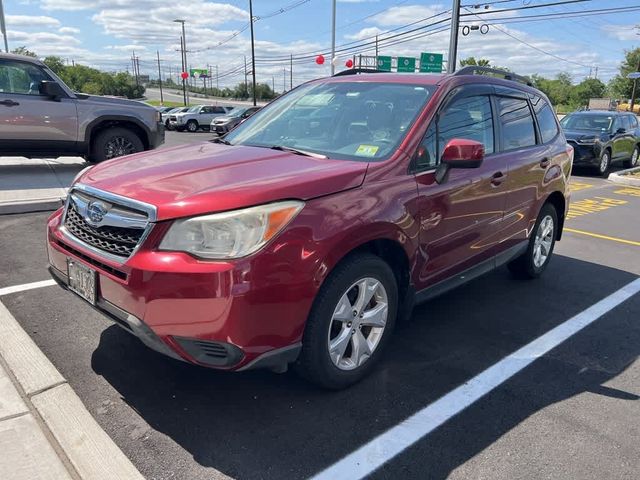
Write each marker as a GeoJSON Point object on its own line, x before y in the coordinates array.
{"type": "Point", "coordinates": [572, 413]}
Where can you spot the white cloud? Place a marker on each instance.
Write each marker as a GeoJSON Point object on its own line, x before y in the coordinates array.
{"type": "Point", "coordinates": [69, 30]}
{"type": "Point", "coordinates": [405, 14]}
{"type": "Point", "coordinates": [126, 48]}
{"type": "Point", "coordinates": [31, 21]}
{"type": "Point", "coordinates": [38, 39]}
{"type": "Point", "coordinates": [623, 33]}
{"type": "Point", "coordinates": [364, 33]}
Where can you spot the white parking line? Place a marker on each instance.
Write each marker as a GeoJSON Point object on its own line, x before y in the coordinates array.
{"type": "Point", "coordinates": [383, 448]}
{"type": "Point", "coordinates": [26, 286]}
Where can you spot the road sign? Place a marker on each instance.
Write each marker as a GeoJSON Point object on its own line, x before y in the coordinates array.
{"type": "Point", "coordinates": [431, 62]}
{"type": "Point", "coordinates": [199, 72]}
{"type": "Point", "coordinates": [406, 64]}
{"type": "Point", "coordinates": [384, 64]}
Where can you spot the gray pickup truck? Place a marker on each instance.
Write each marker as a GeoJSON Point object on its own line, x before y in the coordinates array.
{"type": "Point", "coordinates": [40, 116]}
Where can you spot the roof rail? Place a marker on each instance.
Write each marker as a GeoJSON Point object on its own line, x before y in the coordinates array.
{"type": "Point", "coordinates": [354, 71]}
{"type": "Point", "coordinates": [474, 69]}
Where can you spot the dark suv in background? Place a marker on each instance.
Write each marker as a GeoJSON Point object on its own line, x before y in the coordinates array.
{"type": "Point", "coordinates": [600, 138]}
{"type": "Point", "coordinates": [97, 128]}
{"type": "Point", "coordinates": [303, 234]}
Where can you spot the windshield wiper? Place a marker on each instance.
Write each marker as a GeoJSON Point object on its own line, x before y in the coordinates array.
{"type": "Point", "coordinates": [297, 151]}
{"type": "Point", "coordinates": [220, 140]}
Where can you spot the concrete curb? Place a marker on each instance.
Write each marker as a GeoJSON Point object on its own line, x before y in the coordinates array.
{"type": "Point", "coordinates": [86, 446]}
{"type": "Point", "coordinates": [30, 206]}
{"type": "Point", "coordinates": [623, 177]}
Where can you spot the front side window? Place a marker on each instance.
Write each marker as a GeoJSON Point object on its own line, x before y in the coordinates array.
{"type": "Point", "coordinates": [518, 130]}
{"type": "Point", "coordinates": [546, 118]}
{"type": "Point", "coordinates": [468, 118]}
{"type": "Point", "coordinates": [21, 78]}
{"type": "Point", "coordinates": [363, 121]}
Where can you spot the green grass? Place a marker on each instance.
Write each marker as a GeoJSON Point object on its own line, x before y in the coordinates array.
{"type": "Point", "coordinates": [156, 103]}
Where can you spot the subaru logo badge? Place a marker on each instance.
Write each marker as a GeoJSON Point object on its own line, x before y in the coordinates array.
{"type": "Point", "coordinates": [96, 212]}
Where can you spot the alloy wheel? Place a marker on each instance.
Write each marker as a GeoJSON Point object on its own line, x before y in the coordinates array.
{"type": "Point", "coordinates": [543, 241]}
{"type": "Point", "coordinates": [604, 162]}
{"type": "Point", "coordinates": [634, 157]}
{"type": "Point", "coordinates": [358, 323]}
{"type": "Point", "coordinates": [118, 146]}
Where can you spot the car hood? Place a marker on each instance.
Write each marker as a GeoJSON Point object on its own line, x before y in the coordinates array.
{"type": "Point", "coordinates": [208, 177]}
{"type": "Point", "coordinates": [111, 101]}
{"type": "Point", "coordinates": [224, 119]}
{"type": "Point", "coordinates": [578, 134]}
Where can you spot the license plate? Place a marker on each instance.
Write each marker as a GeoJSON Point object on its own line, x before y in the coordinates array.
{"type": "Point", "coordinates": [82, 280]}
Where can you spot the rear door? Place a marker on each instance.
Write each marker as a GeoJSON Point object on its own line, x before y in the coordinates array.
{"type": "Point", "coordinates": [460, 216]}
{"type": "Point", "coordinates": [30, 121]}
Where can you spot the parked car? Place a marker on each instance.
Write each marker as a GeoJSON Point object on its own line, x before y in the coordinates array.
{"type": "Point", "coordinates": [226, 123]}
{"type": "Point", "coordinates": [43, 117]}
{"type": "Point", "coordinates": [600, 138]}
{"type": "Point", "coordinates": [166, 117]}
{"type": "Point", "coordinates": [196, 117]}
{"type": "Point", "coordinates": [303, 235]}
{"type": "Point", "coordinates": [164, 109]}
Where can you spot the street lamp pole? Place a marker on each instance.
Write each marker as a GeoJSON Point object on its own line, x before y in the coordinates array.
{"type": "Point", "coordinates": [183, 52]}
{"type": "Point", "coordinates": [253, 55]}
{"type": "Point", "coordinates": [3, 28]}
{"type": "Point", "coordinates": [333, 37]}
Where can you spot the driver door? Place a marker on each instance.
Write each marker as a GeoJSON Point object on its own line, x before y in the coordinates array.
{"type": "Point", "coordinates": [30, 121]}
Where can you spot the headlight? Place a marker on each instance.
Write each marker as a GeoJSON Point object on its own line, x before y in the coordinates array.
{"type": "Point", "coordinates": [232, 234]}
{"type": "Point", "coordinates": [587, 140]}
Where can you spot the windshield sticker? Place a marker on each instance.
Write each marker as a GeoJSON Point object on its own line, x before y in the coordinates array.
{"type": "Point", "coordinates": [366, 150]}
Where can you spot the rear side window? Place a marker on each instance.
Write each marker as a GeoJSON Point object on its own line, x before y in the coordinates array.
{"type": "Point", "coordinates": [517, 123]}
{"type": "Point", "coordinates": [626, 124]}
{"type": "Point", "coordinates": [546, 119]}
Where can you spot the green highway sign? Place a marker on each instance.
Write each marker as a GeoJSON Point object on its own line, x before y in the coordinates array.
{"type": "Point", "coordinates": [431, 62]}
{"type": "Point", "coordinates": [199, 72]}
{"type": "Point", "coordinates": [384, 64]}
{"type": "Point", "coordinates": [406, 64]}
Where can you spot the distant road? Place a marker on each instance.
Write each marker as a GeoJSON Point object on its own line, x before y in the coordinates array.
{"type": "Point", "coordinates": [175, 96]}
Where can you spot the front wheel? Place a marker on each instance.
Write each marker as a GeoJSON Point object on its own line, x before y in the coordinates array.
{"type": "Point", "coordinates": [192, 126]}
{"type": "Point", "coordinates": [605, 163]}
{"type": "Point", "coordinates": [115, 142]}
{"type": "Point", "coordinates": [633, 161]}
{"type": "Point", "coordinates": [350, 323]}
{"type": "Point", "coordinates": [542, 240]}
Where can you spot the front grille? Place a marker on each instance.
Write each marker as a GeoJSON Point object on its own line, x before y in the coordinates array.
{"type": "Point", "coordinates": [118, 241]}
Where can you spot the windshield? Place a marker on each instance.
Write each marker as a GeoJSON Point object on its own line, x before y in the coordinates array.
{"type": "Point", "coordinates": [193, 109]}
{"type": "Point", "coordinates": [236, 112]}
{"type": "Point", "coordinates": [587, 122]}
{"type": "Point", "coordinates": [343, 120]}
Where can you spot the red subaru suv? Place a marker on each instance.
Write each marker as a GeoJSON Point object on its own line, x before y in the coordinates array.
{"type": "Point", "coordinates": [302, 235]}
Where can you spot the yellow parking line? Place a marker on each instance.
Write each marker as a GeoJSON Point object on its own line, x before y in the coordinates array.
{"type": "Point", "coordinates": [604, 237]}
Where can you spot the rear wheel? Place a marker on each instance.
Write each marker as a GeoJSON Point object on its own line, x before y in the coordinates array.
{"type": "Point", "coordinates": [633, 161]}
{"type": "Point", "coordinates": [115, 142]}
{"type": "Point", "coordinates": [350, 323]}
{"type": "Point", "coordinates": [605, 163]}
{"type": "Point", "coordinates": [535, 259]}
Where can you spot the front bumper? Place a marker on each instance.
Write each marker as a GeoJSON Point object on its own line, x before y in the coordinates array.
{"type": "Point", "coordinates": [586, 155]}
{"type": "Point", "coordinates": [226, 315]}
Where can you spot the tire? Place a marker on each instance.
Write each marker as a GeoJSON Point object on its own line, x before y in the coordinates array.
{"type": "Point", "coordinates": [633, 161]}
{"type": "Point", "coordinates": [167, 125]}
{"type": "Point", "coordinates": [529, 265]}
{"type": "Point", "coordinates": [192, 126]}
{"type": "Point", "coordinates": [115, 142]}
{"type": "Point", "coordinates": [326, 324]}
{"type": "Point", "coordinates": [605, 164]}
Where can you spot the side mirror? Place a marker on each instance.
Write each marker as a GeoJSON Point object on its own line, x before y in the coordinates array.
{"type": "Point", "coordinates": [51, 89]}
{"type": "Point", "coordinates": [620, 131]}
{"type": "Point", "coordinates": [463, 153]}
{"type": "Point", "coordinates": [459, 153]}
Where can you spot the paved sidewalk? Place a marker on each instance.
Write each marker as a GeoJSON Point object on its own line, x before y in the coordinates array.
{"type": "Point", "coordinates": [45, 430]}
{"type": "Point", "coordinates": [31, 185]}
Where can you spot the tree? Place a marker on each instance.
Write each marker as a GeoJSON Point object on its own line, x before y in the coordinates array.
{"type": "Point", "coordinates": [481, 62]}
{"type": "Point", "coordinates": [23, 51]}
{"type": "Point", "coordinates": [588, 88]}
{"type": "Point", "coordinates": [620, 86]}
{"type": "Point", "coordinates": [55, 63]}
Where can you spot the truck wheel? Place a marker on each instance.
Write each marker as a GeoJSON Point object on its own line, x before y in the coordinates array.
{"type": "Point", "coordinates": [633, 161]}
{"type": "Point", "coordinates": [115, 142]}
{"type": "Point", "coordinates": [535, 259]}
{"type": "Point", "coordinates": [350, 322]}
{"type": "Point", "coordinates": [192, 126]}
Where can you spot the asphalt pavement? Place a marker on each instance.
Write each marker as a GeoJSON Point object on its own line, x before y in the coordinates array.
{"type": "Point", "coordinates": [572, 413]}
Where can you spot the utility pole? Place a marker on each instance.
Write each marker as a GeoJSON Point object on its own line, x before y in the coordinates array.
{"type": "Point", "coordinates": [246, 87]}
{"type": "Point", "coordinates": [273, 84]}
{"type": "Point", "coordinates": [333, 36]}
{"type": "Point", "coordinates": [635, 84]}
{"type": "Point", "coordinates": [160, 76]}
{"type": "Point", "coordinates": [453, 39]}
{"type": "Point", "coordinates": [183, 52]}
{"type": "Point", "coordinates": [291, 73]}
{"type": "Point", "coordinates": [596, 75]}
{"type": "Point", "coordinates": [3, 28]}
{"type": "Point", "coordinates": [253, 55]}
{"type": "Point", "coordinates": [284, 79]}
{"type": "Point", "coordinates": [217, 83]}
{"type": "Point", "coordinates": [376, 49]}
{"type": "Point", "coordinates": [133, 65]}
{"type": "Point", "coordinates": [210, 74]}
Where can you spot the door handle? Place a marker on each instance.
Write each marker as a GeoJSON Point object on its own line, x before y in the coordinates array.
{"type": "Point", "coordinates": [544, 163]}
{"type": "Point", "coordinates": [497, 178]}
{"type": "Point", "coordinates": [9, 103]}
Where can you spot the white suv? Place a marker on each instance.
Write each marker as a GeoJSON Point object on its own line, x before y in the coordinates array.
{"type": "Point", "coordinates": [196, 117]}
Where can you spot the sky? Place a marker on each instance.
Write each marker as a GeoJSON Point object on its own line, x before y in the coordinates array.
{"type": "Point", "coordinates": [104, 33]}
